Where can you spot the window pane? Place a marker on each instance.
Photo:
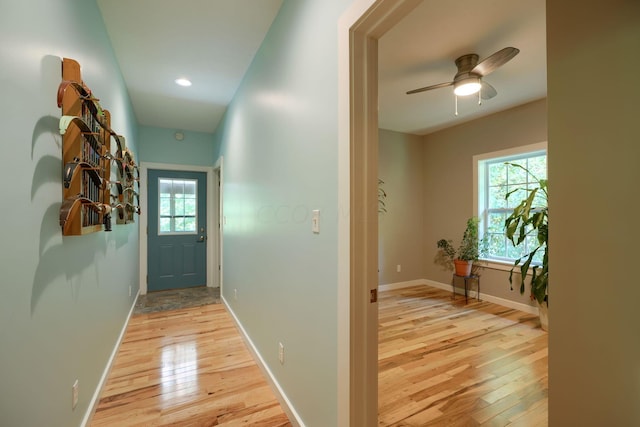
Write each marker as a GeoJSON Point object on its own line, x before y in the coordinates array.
{"type": "Point", "coordinates": [539, 200]}
{"type": "Point", "coordinates": [190, 207]}
{"type": "Point", "coordinates": [178, 189]}
{"type": "Point", "coordinates": [498, 179]}
{"type": "Point", "coordinates": [177, 206]}
{"type": "Point", "coordinates": [165, 187]}
{"type": "Point", "coordinates": [189, 224]}
{"type": "Point", "coordinates": [538, 166]}
{"type": "Point", "coordinates": [539, 255]}
{"type": "Point", "coordinates": [190, 189]}
{"type": "Point", "coordinates": [165, 206]}
{"type": "Point", "coordinates": [512, 252]}
{"type": "Point", "coordinates": [517, 176]}
{"type": "Point", "coordinates": [497, 197]}
{"type": "Point", "coordinates": [497, 245]}
{"type": "Point", "coordinates": [532, 243]}
{"type": "Point", "coordinates": [496, 222]}
{"type": "Point", "coordinates": [519, 194]}
{"type": "Point", "coordinates": [497, 174]}
{"type": "Point", "coordinates": [165, 225]}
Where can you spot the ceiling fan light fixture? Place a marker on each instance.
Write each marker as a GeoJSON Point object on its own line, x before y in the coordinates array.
{"type": "Point", "coordinates": [467, 86]}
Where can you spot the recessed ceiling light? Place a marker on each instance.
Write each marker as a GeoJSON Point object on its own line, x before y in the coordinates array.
{"type": "Point", "coordinates": [183, 82]}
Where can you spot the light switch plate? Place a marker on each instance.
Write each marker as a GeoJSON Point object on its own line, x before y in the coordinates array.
{"type": "Point", "coordinates": [315, 221]}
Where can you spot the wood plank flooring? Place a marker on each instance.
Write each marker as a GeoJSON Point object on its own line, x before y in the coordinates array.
{"type": "Point", "coordinates": [186, 367]}
{"type": "Point", "coordinates": [441, 363]}
{"type": "Point", "coordinates": [444, 363]}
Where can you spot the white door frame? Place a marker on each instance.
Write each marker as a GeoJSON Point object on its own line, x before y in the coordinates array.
{"type": "Point", "coordinates": [211, 217]}
{"type": "Point", "coordinates": [360, 28]}
{"type": "Point", "coordinates": [219, 223]}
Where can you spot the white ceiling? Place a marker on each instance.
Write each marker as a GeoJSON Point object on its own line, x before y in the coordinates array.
{"type": "Point", "coordinates": [212, 42]}
{"type": "Point", "coordinates": [421, 50]}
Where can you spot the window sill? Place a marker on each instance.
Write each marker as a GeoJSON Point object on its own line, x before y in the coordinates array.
{"type": "Point", "coordinates": [496, 265]}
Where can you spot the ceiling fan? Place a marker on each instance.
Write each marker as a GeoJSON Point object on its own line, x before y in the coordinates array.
{"type": "Point", "coordinates": [468, 79]}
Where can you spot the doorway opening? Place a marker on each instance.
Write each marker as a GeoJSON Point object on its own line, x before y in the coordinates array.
{"type": "Point", "coordinates": [210, 240]}
{"type": "Point", "coordinates": [364, 32]}
{"type": "Point", "coordinates": [364, 35]}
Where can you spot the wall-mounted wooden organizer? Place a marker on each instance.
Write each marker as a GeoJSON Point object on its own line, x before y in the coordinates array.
{"type": "Point", "coordinates": [127, 200]}
{"type": "Point", "coordinates": [88, 202]}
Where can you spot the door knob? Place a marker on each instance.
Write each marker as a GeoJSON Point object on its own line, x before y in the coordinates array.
{"type": "Point", "coordinates": [201, 239]}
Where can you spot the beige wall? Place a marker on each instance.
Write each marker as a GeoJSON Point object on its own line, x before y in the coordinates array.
{"type": "Point", "coordinates": [429, 183]}
{"type": "Point", "coordinates": [594, 150]}
{"type": "Point", "coordinates": [448, 163]}
{"type": "Point", "coordinates": [400, 229]}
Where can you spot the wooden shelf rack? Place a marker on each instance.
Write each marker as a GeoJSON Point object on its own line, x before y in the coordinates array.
{"type": "Point", "coordinates": [88, 201]}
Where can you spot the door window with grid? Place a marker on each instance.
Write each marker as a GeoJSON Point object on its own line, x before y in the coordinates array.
{"type": "Point", "coordinates": [178, 206]}
{"type": "Point", "coordinates": [495, 180]}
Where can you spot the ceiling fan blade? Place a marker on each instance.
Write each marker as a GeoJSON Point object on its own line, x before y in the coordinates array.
{"type": "Point", "coordinates": [487, 91]}
{"type": "Point", "coordinates": [422, 89]}
{"type": "Point", "coordinates": [496, 60]}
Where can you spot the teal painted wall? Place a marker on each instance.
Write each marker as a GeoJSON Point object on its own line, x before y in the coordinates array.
{"type": "Point", "coordinates": [63, 300]}
{"type": "Point", "coordinates": [159, 145]}
{"type": "Point", "coordinates": [279, 140]}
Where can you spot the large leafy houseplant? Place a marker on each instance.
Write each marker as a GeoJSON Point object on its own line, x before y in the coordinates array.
{"type": "Point", "coordinates": [529, 220]}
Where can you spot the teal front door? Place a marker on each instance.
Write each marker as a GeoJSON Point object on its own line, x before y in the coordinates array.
{"type": "Point", "coordinates": [176, 236]}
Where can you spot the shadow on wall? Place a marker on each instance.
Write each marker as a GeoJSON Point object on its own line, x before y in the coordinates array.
{"type": "Point", "coordinates": [47, 125]}
{"type": "Point", "coordinates": [58, 256]}
{"type": "Point", "coordinates": [62, 260]}
{"type": "Point", "coordinates": [69, 257]}
{"type": "Point", "coordinates": [68, 260]}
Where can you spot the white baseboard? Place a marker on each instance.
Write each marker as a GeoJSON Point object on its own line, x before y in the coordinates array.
{"type": "Point", "coordinates": [288, 408]}
{"type": "Point", "coordinates": [400, 285]}
{"type": "Point", "coordinates": [472, 294]}
{"type": "Point", "coordinates": [294, 417]}
{"type": "Point", "coordinates": [93, 405]}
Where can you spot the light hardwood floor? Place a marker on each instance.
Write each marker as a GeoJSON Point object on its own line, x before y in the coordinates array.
{"type": "Point", "coordinates": [186, 367]}
{"type": "Point", "coordinates": [444, 363]}
{"type": "Point", "coordinates": [441, 363]}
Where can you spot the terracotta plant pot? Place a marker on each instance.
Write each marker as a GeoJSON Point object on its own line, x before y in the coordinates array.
{"type": "Point", "coordinates": [463, 268]}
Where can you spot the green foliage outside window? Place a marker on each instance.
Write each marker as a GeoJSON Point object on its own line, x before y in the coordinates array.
{"type": "Point", "coordinates": [517, 182]}
{"type": "Point", "coordinates": [528, 227]}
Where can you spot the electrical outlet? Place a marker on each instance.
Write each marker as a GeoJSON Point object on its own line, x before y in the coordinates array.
{"type": "Point", "coordinates": [130, 290]}
{"type": "Point", "coordinates": [74, 395]}
{"type": "Point", "coordinates": [398, 268]}
{"type": "Point", "coordinates": [235, 294]}
{"type": "Point", "coordinates": [281, 353]}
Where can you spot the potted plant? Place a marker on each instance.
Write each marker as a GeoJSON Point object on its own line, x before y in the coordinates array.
{"type": "Point", "coordinates": [531, 218]}
{"type": "Point", "coordinates": [467, 253]}
{"type": "Point", "coordinates": [382, 196]}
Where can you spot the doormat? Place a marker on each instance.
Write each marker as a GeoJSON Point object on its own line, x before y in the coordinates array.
{"type": "Point", "coordinates": [174, 299]}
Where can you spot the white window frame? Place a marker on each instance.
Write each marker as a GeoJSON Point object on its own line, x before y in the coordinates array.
{"type": "Point", "coordinates": [173, 216]}
{"type": "Point", "coordinates": [479, 192]}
